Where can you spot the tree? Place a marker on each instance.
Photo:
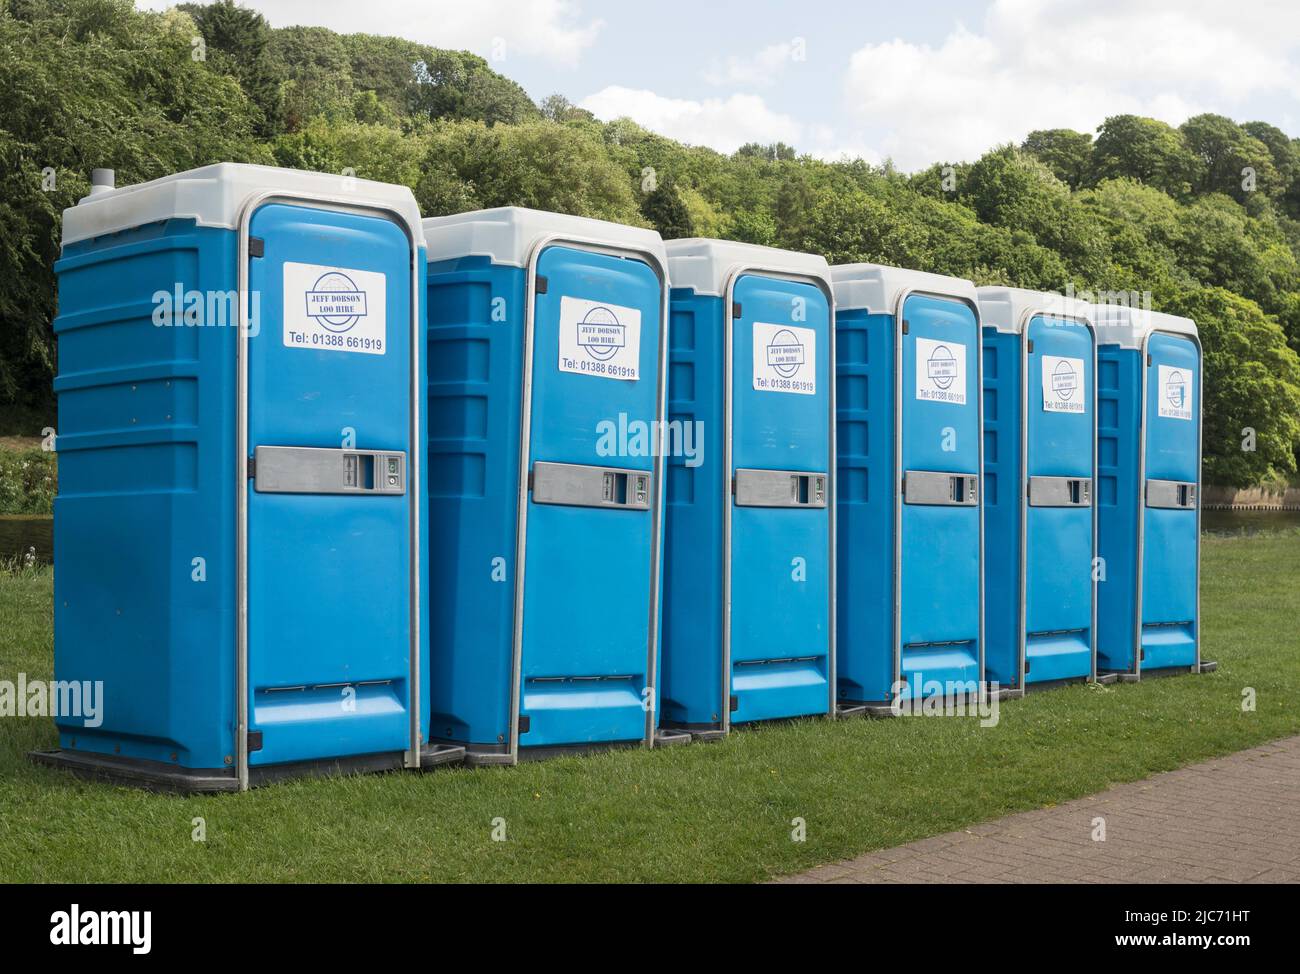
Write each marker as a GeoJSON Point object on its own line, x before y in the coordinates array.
{"type": "Point", "coordinates": [456, 84]}
{"type": "Point", "coordinates": [1285, 153]}
{"type": "Point", "coordinates": [92, 83]}
{"type": "Point", "coordinates": [1068, 154]}
{"type": "Point", "coordinates": [1231, 160]}
{"type": "Point", "coordinates": [537, 164]}
{"type": "Point", "coordinates": [1251, 382]}
{"type": "Point", "coordinates": [237, 40]}
{"type": "Point", "coordinates": [774, 152]}
{"type": "Point", "coordinates": [1009, 188]}
{"type": "Point", "coordinates": [666, 211]}
{"type": "Point", "coordinates": [1146, 150]}
{"type": "Point", "coordinates": [557, 108]}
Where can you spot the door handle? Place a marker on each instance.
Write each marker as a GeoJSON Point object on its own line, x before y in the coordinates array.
{"type": "Point", "coordinates": [322, 470]}
{"type": "Point", "coordinates": [1060, 491]}
{"type": "Point", "coordinates": [1171, 494]}
{"type": "Point", "coordinates": [779, 488]}
{"type": "Point", "coordinates": [942, 489]}
{"type": "Point", "coordinates": [581, 485]}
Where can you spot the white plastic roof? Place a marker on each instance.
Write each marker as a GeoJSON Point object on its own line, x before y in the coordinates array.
{"type": "Point", "coordinates": [876, 287]}
{"type": "Point", "coordinates": [1128, 327]}
{"type": "Point", "coordinates": [1009, 309]}
{"type": "Point", "coordinates": [214, 196]}
{"type": "Point", "coordinates": [508, 234]}
{"type": "Point", "coordinates": [707, 265]}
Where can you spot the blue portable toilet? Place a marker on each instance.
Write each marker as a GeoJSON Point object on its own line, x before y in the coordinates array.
{"type": "Point", "coordinates": [1040, 427]}
{"type": "Point", "coordinates": [1149, 386]}
{"type": "Point", "coordinates": [910, 537]}
{"type": "Point", "coordinates": [239, 552]}
{"type": "Point", "coordinates": [546, 343]}
{"type": "Point", "coordinates": [749, 591]}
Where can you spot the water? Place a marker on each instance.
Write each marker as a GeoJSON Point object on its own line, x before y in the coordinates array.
{"type": "Point", "coordinates": [20, 533]}
{"type": "Point", "coordinates": [1248, 522]}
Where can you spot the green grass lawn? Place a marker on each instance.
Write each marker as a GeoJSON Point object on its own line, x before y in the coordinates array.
{"type": "Point", "coordinates": [706, 812]}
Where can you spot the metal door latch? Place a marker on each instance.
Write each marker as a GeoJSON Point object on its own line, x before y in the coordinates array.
{"type": "Point", "coordinates": [1060, 491]}
{"type": "Point", "coordinates": [580, 485]}
{"type": "Point", "coordinates": [938, 488]}
{"type": "Point", "coordinates": [1175, 494]}
{"type": "Point", "coordinates": [780, 488]}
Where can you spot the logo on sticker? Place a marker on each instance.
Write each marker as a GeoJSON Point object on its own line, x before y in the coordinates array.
{"type": "Point", "coordinates": [601, 334]}
{"type": "Point", "coordinates": [785, 353]}
{"type": "Point", "coordinates": [941, 366]}
{"type": "Point", "coordinates": [1063, 385]}
{"type": "Point", "coordinates": [1174, 391]}
{"type": "Point", "coordinates": [336, 303]}
{"type": "Point", "coordinates": [1064, 380]}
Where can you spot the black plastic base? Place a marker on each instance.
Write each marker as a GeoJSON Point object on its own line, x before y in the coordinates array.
{"type": "Point", "coordinates": [1054, 684]}
{"type": "Point", "coordinates": [671, 737]}
{"type": "Point", "coordinates": [160, 777]}
{"type": "Point", "coordinates": [864, 708]}
{"type": "Point", "coordinates": [487, 755]}
{"type": "Point", "coordinates": [436, 755]}
{"type": "Point", "coordinates": [696, 732]}
{"type": "Point", "coordinates": [1006, 693]}
{"type": "Point", "coordinates": [1111, 676]}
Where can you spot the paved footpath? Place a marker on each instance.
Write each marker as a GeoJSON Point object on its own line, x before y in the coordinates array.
{"type": "Point", "coordinates": [1235, 819]}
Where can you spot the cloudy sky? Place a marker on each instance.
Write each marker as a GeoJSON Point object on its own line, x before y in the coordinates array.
{"type": "Point", "coordinates": [919, 81]}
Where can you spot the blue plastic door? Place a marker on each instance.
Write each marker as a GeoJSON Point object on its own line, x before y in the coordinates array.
{"type": "Point", "coordinates": [939, 540]}
{"type": "Point", "coordinates": [590, 587]}
{"type": "Point", "coordinates": [329, 535]}
{"type": "Point", "coordinates": [781, 562]}
{"type": "Point", "coordinates": [1170, 548]}
{"type": "Point", "coordinates": [1060, 429]}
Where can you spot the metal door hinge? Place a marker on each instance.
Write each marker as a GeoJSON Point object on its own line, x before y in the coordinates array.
{"type": "Point", "coordinates": [906, 327]}
{"type": "Point", "coordinates": [542, 284]}
{"type": "Point", "coordinates": [1031, 345]}
{"type": "Point", "coordinates": [254, 741]}
{"type": "Point", "coordinates": [256, 247]}
{"type": "Point", "coordinates": [251, 468]}
{"type": "Point", "coordinates": [524, 723]}
{"type": "Point", "coordinates": [735, 309]}
{"type": "Point", "coordinates": [733, 703]}
{"type": "Point", "coordinates": [1148, 358]}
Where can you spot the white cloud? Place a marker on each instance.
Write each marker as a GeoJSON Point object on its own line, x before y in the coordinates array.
{"type": "Point", "coordinates": [758, 70]}
{"type": "Point", "coordinates": [722, 124]}
{"type": "Point", "coordinates": [550, 30]}
{"type": "Point", "coordinates": [1069, 63]}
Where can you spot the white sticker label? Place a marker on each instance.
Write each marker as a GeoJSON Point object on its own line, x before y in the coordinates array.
{"type": "Point", "coordinates": [785, 359]}
{"type": "Point", "coordinates": [1174, 391]}
{"type": "Point", "coordinates": [335, 309]}
{"type": "Point", "coordinates": [940, 371]}
{"type": "Point", "coordinates": [1063, 385]}
{"type": "Point", "coordinates": [600, 339]}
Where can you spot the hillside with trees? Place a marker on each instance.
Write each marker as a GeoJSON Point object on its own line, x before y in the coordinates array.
{"type": "Point", "coordinates": [1204, 216]}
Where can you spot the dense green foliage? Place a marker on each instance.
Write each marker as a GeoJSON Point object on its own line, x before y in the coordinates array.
{"type": "Point", "coordinates": [1204, 217]}
{"type": "Point", "coordinates": [28, 481]}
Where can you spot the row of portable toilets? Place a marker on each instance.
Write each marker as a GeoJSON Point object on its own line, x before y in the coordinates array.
{"type": "Point", "coordinates": [344, 487]}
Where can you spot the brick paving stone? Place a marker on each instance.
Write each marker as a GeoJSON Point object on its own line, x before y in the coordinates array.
{"type": "Point", "coordinates": [1226, 820]}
